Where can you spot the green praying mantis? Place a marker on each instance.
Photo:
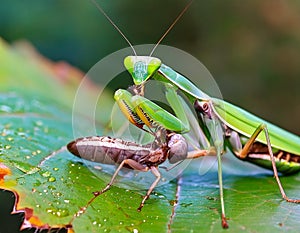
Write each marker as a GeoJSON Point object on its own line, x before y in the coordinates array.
{"type": "Point", "coordinates": [223, 134]}
{"type": "Point", "coordinates": [224, 125]}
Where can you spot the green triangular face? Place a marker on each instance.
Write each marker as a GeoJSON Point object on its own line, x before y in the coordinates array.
{"type": "Point", "coordinates": [141, 68]}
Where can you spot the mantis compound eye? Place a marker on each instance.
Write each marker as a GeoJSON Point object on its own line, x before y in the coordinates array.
{"type": "Point", "coordinates": [178, 148]}
{"type": "Point", "coordinates": [201, 106]}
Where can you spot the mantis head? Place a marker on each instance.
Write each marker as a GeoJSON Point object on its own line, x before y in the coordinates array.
{"type": "Point", "coordinates": [141, 68]}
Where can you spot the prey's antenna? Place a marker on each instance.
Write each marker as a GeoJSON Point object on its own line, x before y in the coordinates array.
{"type": "Point", "coordinates": [116, 27]}
{"type": "Point", "coordinates": [171, 26]}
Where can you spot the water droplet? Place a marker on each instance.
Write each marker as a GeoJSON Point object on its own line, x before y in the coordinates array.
{"type": "Point", "coordinates": [62, 213]}
{"type": "Point", "coordinates": [50, 187]}
{"type": "Point", "coordinates": [9, 139]}
{"type": "Point", "coordinates": [46, 174]}
{"type": "Point", "coordinates": [135, 230]}
{"type": "Point", "coordinates": [67, 201]}
{"type": "Point", "coordinates": [58, 212]}
{"type": "Point", "coordinates": [58, 194]}
{"type": "Point", "coordinates": [22, 134]}
{"type": "Point", "coordinates": [49, 210]}
{"type": "Point", "coordinates": [7, 147]}
{"type": "Point", "coordinates": [33, 170]}
{"type": "Point", "coordinates": [51, 179]}
{"type": "Point", "coordinates": [38, 123]}
{"type": "Point", "coordinates": [37, 183]}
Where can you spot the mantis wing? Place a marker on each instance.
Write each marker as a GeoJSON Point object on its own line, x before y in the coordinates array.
{"type": "Point", "coordinates": [246, 123]}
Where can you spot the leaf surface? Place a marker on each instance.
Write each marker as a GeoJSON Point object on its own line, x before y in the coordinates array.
{"type": "Point", "coordinates": [36, 99]}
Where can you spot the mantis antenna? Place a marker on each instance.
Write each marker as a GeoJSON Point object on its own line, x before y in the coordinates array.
{"type": "Point", "coordinates": [116, 27]}
{"type": "Point", "coordinates": [171, 26]}
{"type": "Point", "coordinates": [123, 35]}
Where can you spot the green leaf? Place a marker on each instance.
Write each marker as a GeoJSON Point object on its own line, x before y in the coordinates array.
{"type": "Point", "coordinates": [252, 203]}
{"type": "Point", "coordinates": [36, 99]}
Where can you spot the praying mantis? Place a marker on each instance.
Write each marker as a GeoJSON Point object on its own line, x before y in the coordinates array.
{"type": "Point", "coordinates": [227, 126]}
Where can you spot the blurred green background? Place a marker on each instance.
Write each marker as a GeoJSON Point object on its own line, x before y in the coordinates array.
{"type": "Point", "coordinates": [251, 47]}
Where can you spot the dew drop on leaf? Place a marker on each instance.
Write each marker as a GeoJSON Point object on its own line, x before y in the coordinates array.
{"type": "Point", "coordinates": [58, 194]}
{"type": "Point", "coordinates": [9, 139]}
{"type": "Point", "coordinates": [49, 210]}
{"type": "Point", "coordinates": [46, 174]}
{"type": "Point", "coordinates": [51, 179]}
{"type": "Point", "coordinates": [50, 187]}
{"type": "Point", "coordinates": [38, 123]}
{"type": "Point", "coordinates": [62, 212]}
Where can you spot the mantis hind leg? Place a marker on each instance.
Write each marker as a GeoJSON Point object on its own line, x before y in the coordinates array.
{"type": "Point", "coordinates": [244, 152]}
